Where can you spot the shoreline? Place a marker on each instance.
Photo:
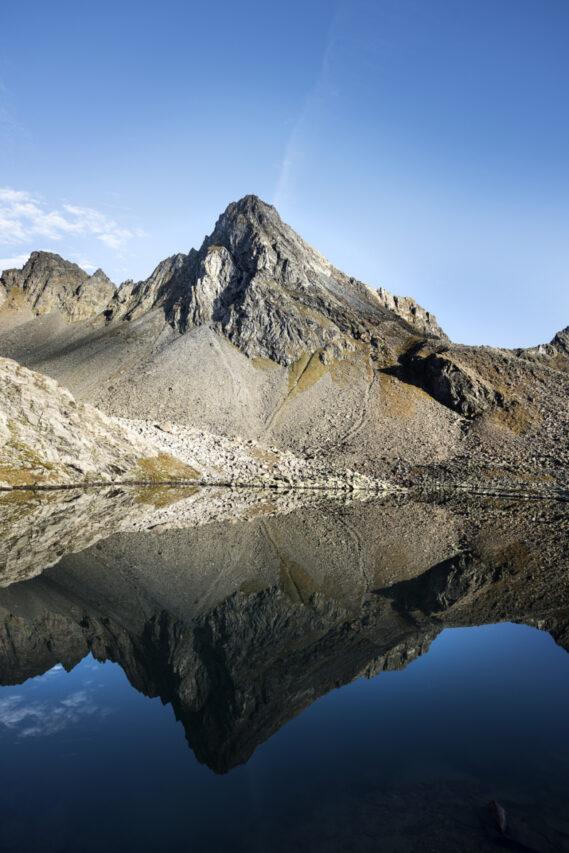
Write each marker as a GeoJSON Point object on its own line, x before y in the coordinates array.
{"type": "Point", "coordinates": [374, 489]}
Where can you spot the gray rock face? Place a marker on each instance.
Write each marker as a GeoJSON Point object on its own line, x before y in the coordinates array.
{"type": "Point", "coordinates": [49, 283]}
{"type": "Point", "coordinates": [163, 288]}
{"type": "Point", "coordinates": [264, 288]}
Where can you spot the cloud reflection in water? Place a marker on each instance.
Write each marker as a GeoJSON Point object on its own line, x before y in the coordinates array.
{"type": "Point", "coordinates": [38, 719]}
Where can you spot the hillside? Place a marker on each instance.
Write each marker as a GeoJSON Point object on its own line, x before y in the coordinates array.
{"type": "Point", "coordinates": [47, 439]}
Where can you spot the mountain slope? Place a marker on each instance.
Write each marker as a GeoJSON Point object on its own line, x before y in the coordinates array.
{"type": "Point", "coordinates": [46, 439]}
{"type": "Point", "coordinates": [257, 335]}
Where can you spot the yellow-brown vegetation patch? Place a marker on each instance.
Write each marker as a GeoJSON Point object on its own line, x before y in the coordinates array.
{"type": "Point", "coordinates": [11, 476]}
{"type": "Point", "coordinates": [22, 466]}
{"type": "Point", "coordinates": [308, 369]}
{"type": "Point", "coordinates": [400, 399]}
{"type": "Point", "coordinates": [295, 581]}
{"type": "Point", "coordinates": [26, 499]}
{"type": "Point", "coordinates": [261, 509]}
{"type": "Point", "coordinates": [15, 300]}
{"type": "Point", "coordinates": [304, 373]}
{"type": "Point", "coordinates": [515, 556]}
{"type": "Point", "coordinates": [522, 478]}
{"type": "Point", "coordinates": [261, 363]}
{"type": "Point", "coordinates": [517, 418]}
{"type": "Point", "coordinates": [163, 468]}
{"type": "Point", "coordinates": [161, 496]}
{"type": "Point", "coordinates": [263, 455]}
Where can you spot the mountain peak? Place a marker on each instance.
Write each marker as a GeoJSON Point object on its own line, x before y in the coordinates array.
{"type": "Point", "coordinates": [251, 204]}
{"type": "Point", "coordinates": [41, 256]}
{"type": "Point", "coordinates": [250, 215]}
{"type": "Point", "coordinates": [47, 283]}
{"type": "Point", "coordinates": [254, 279]}
{"type": "Point", "coordinates": [260, 285]}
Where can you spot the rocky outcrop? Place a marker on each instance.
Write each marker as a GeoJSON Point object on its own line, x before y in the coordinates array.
{"type": "Point", "coordinates": [414, 314]}
{"type": "Point", "coordinates": [48, 283]}
{"type": "Point", "coordinates": [555, 354]}
{"type": "Point", "coordinates": [36, 531]}
{"type": "Point", "coordinates": [451, 381]}
{"type": "Point", "coordinates": [47, 439]}
{"type": "Point", "coordinates": [167, 285]}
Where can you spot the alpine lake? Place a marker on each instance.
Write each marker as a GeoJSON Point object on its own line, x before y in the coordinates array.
{"type": "Point", "coordinates": [284, 674]}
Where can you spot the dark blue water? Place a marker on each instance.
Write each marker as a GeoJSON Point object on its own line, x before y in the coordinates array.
{"type": "Point", "coordinates": [88, 763]}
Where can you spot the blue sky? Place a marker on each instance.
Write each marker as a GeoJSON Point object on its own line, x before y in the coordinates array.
{"type": "Point", "coordinates": [421, 145]}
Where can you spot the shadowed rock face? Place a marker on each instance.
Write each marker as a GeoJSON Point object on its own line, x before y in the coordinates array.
{"type": "Point", "coordinates": [242, 626]}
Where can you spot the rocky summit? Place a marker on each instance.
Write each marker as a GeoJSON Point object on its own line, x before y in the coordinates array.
{"type": "Point", "coordinates": [266, 290]}
{"type": "Point", "coordinates": [255, 336]}
{"type": "Point", "coordinates": [48, 283]}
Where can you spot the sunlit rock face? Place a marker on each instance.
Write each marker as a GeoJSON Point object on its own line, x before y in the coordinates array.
{"type": "Point", "coordinates": [48, 283]}
{"type": "Point", "coordinates": [48, 439]}
{"type": "Point", "coordinates": [240, 626]}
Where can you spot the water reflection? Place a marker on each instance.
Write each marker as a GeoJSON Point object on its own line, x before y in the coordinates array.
{"type": "Point", "coordinates": [241, 625]}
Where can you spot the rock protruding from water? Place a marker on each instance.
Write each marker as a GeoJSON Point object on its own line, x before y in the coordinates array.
{"type": "Point", "coordinates": [47, 283]}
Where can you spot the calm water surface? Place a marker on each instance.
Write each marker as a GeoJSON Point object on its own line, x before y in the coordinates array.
{"type": "Point", "coordinates": [365, 676]}
{"type": "Point", "coordinates": [89, 763]}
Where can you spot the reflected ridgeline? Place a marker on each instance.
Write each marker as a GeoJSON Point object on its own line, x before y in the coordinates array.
{"type": "Point", "coordinates": [240, 625]}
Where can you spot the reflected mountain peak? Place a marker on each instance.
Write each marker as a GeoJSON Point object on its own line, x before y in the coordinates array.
{"type": "Point", "coordinates": [242, 626]}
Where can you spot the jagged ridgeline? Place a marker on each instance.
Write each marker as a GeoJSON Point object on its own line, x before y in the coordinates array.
{"type": "Point", "coordinates": [257, 335]}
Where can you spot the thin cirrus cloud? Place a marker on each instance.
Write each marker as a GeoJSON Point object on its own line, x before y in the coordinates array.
{"type": "Point", "coordinates": [318, 93]}
{"type": "Point", "coordinates": [24, 216]}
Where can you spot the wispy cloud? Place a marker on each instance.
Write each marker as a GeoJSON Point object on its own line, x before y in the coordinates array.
{"type": "Point", "coordinates": [83, 262]}
{"type": "Point", "coordinates": [24, 216]}
{"type": "Point", "coordinates": [38, 719]}
{"type": "Point", "coordinates": [15, 261]}
{"type": "Point", "coordinates": [294, 150]}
